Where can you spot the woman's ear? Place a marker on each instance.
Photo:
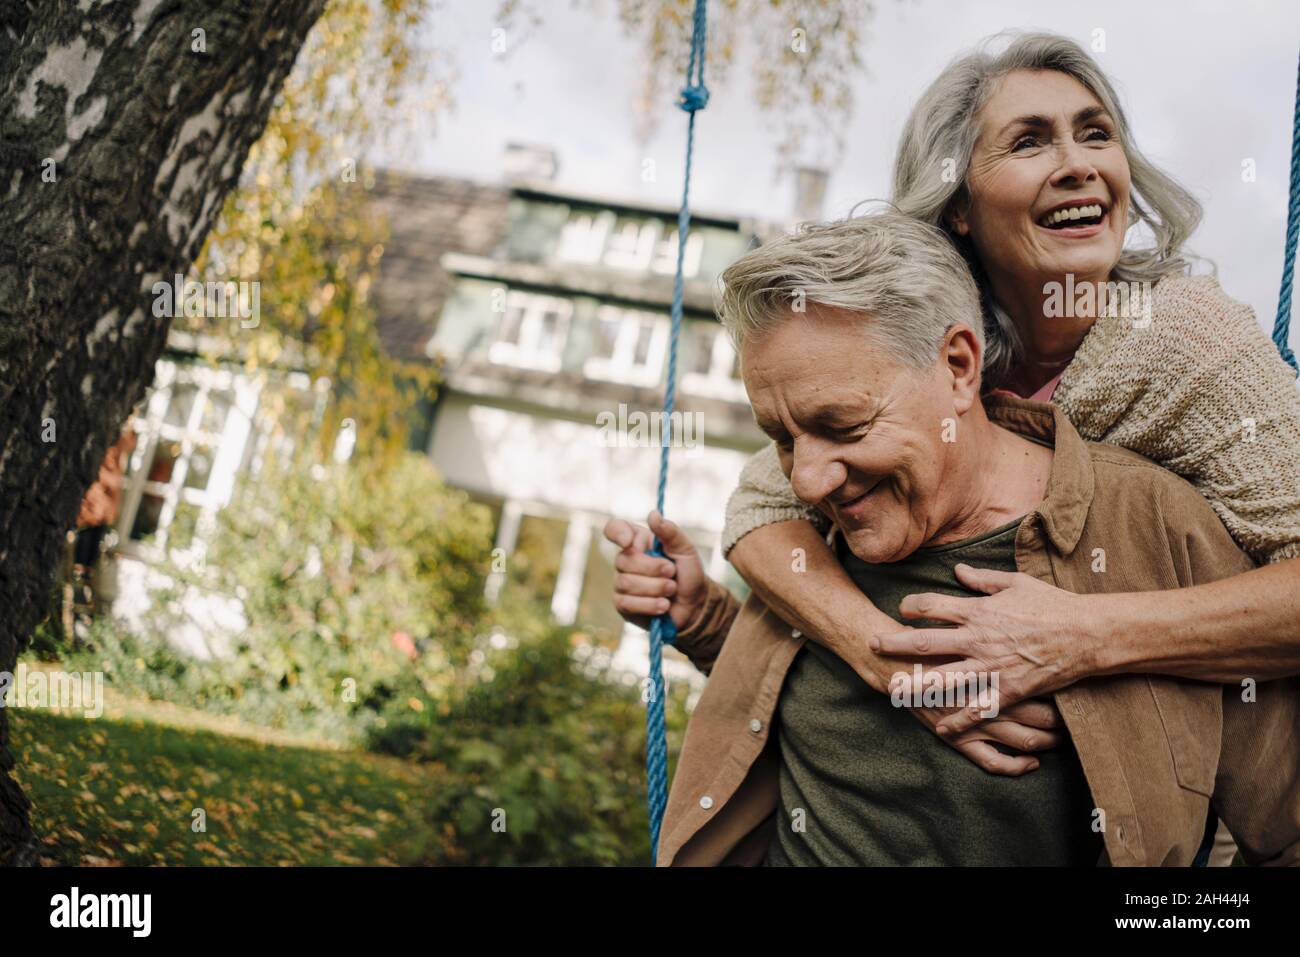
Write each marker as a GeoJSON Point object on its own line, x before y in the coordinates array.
{"type": "Point", "coordinates": [955, 215]}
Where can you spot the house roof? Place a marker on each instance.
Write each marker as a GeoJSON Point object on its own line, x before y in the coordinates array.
{"type": "Point", "coordinates": [427, 216]}
{"type": "Point", "coordinates": [546, 191]}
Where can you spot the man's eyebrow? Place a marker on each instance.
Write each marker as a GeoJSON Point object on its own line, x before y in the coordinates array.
{"type": "Point", "coordinates": [1038, 121]}
{"type": "Point", "coordinates": [832, 416]}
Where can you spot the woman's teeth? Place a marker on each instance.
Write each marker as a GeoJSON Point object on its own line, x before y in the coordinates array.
{"type": "Point", "coordinates": [1070, 215]}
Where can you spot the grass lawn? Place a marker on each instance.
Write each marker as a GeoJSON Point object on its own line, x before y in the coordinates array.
{"type": "Point", "coordinates": [124, 791]}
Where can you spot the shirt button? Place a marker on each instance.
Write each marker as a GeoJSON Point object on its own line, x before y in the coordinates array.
{"type": "Point", "coordinates": [706, 802]}
{"type": "Point", "coordinates": [755, 725]}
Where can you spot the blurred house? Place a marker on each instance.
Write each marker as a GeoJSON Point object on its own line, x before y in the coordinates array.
{"type": "Point", "coordinates": [548, 312]}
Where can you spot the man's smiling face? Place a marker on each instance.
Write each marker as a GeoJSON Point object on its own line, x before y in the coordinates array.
{"type": "Point", "coordinates": [860, 435]}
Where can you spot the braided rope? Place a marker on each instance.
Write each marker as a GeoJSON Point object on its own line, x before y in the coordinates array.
{"type": "Point", "coordinates": [1282, 325]}
{"type": "Point", "coordinates": [695, 96]}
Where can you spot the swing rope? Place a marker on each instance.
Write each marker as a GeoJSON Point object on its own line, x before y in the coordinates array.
{"type": "Point", "coordinates": [695, 97]}
{"type": "Point", "coordinates": [1282, 325]}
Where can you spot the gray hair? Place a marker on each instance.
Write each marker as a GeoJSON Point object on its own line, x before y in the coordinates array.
{"type": "Point", "coordinates": [903, 278]}
{"type": "Point", "coordinates": [942, 129]}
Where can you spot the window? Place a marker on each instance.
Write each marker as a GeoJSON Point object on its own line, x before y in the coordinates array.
{"type": "Point", "coordinates": [635, 244]}
{"type": "Point", "coordinates": [714, 366]}
{"type": "Point", "coordinates": [632, 244]}
{"type": "Point", "coordinates": [582, 240]}
{"type": "Point", "coordinates": [189, 444]}
{"type": "Point", "coordinates": [531, 331]}
{"type": "Point", "coordinates": [596, 613]}
{"type": "Point", "coordinates": [665, 261]}
{"type": "Point", "coordinates": [534, 565]}
{"type": "Point", "coordinates": [287, 413]}
{"type": "Point", "coordinates": [629, 346]}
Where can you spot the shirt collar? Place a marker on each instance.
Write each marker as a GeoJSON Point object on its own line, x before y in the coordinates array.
{"type": "Point", "coordinates": [1071, 485]}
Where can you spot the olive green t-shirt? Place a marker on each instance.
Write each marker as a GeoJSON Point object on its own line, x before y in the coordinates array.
{"type": "Point", "coordinates": [865, 783]}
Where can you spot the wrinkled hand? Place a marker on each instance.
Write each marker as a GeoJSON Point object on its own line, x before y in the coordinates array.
{"type": "Point", "coordinates": [646, 586]}
{"type": "Point", "coordinates": [1027, 726]}
{"type": "Point", "coordinates": [1027, 632]}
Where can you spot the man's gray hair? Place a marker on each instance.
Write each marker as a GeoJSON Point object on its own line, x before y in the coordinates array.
{"type": "Point", "coordinates": [934, 157]}
{"type": "Point", "coordinates": [903, 277]}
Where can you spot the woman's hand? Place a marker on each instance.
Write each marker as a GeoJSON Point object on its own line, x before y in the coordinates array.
{"type": "Point", "coordinates": [647, 586]}
{"type": "Point", "coordinates": [1027, 632]}
{"type": "Point", "coordinates": [1027, 726]}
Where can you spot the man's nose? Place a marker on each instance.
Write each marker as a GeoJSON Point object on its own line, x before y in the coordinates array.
{"type": "Point", "coordinates": [815, 472]}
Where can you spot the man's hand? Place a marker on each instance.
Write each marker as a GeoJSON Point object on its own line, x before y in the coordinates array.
{"type": "Point", "coordinates": [646, 586]}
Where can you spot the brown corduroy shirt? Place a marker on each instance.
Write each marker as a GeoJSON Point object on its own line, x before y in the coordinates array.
{"type": "Point", "coordinates": [1154, 749]}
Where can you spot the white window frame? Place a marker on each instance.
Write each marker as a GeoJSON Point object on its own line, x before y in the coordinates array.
{"type": "Point", "coordinates": [525, 353]}
{"type": "Point", "coordinates": [583, 237]}
{"type": "Point", "coordinates": [269, 442]}
{"type": "Point", "coordinates": [581, 528]}
{"type": "Point", "coordinates": [632, 244]}
{"type": "Point", "coordinates": [718, 382]}
{"type": "Point", "coordinates": [628, 243]}
{"type": "Point", "coordinates": [621, 365]}
{"type": "Point", "coordinates": [665, 260]}
{"type": "Point", "coordinates": [227, 447]}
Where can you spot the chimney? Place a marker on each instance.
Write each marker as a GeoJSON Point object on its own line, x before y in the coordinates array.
{"type": "Point", "coordinates": [530, 163]}
{"type": "Point", "coordinates": [809, 193]}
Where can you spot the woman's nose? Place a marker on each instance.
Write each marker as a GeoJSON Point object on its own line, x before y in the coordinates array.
{"type": "Point", "coordinates": [1075, 165]}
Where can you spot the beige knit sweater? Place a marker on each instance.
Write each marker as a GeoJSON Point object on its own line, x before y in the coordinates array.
{"type": "Point", "coordinates": [1200, 389]}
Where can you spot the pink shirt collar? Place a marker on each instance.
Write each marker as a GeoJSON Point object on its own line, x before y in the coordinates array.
{"type": "Point", "coordinates": [1042, 395]}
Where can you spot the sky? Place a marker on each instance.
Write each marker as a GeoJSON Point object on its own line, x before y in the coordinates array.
{"type": "Point", "coordinates": [1207, 86]}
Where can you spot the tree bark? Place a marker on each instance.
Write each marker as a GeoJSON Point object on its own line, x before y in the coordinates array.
{"type": "Point", "coordinates": [143, 135]}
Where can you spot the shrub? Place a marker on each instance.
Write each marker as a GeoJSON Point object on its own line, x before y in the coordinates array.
{"type": "Point", "coordinates": [548, 756]}
{"type": "Point", "coordinates": [344, 577]}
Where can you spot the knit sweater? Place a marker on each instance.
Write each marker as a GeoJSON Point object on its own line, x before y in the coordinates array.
{"type": "Point", "coordinates": [1199, 389]}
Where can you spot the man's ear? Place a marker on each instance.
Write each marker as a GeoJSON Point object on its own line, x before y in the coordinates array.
{"type": "Point", "coordinates": [963, 357]}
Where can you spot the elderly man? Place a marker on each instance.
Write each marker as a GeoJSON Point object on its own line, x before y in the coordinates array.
{"type": "Point", "coordinates": [860, 346]}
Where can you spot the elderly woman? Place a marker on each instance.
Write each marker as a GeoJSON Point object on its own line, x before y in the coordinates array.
{"type": "Point", "coordinates": [1025, 160]}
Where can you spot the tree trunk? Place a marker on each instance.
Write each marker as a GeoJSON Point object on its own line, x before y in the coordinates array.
{"type": "Point", "coordinates": [122, 130]}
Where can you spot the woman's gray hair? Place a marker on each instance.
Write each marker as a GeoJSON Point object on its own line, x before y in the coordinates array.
{"type": "Point", "coordinates": [934, 156]}
{"type": "Point", "coordinates": [903, 278]}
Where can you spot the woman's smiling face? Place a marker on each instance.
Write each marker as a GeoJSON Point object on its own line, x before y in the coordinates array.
{"type": "Point", "coordinates": [1045, 143]}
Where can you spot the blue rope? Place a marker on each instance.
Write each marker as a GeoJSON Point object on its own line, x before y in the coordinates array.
{"type": "Point", "coordinates": [1282, 326]}
{"type": "Point", "coordinates": [695, 96]}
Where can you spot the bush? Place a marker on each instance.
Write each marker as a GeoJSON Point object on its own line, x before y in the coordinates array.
{"type": "Point", "coordinates": [548, 756]}
{"type": "Point", "coordinates": [363, 594]}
